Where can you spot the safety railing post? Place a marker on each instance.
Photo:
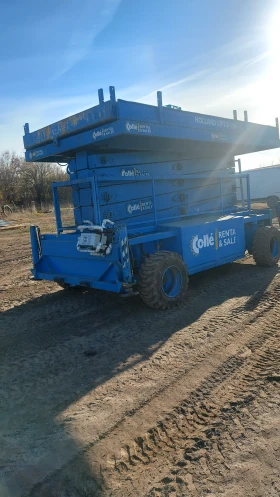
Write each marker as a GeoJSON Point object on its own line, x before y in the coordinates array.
{"type": "Point", "coordinates": [96, 209]}
{"type": "Point", "coordinates": [57, 209]}
{"type": "Point", "coordinates": [154, 200]}
{"type": "Point", "coordinates": [241, 183]}
{"type": "Point", "coordinates": [248, 192]}
{"type": "Point", "coordinates": [221, 194]}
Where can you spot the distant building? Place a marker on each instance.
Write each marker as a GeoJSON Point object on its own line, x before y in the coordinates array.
{"type": "Point", "coordinates": [264, 184]}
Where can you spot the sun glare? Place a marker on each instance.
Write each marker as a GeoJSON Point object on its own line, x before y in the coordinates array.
{"type": "Point", "coordinates": [274, 44]}
{"type": "Point", "coordinates": [274, 33]}
{"type": "Point", "coordinates": [268, 91]}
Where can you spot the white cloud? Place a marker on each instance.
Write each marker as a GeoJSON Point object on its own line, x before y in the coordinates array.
{"type": "Point", "coordinates": [188, 79]}
{"type": "Point", "coordinates": [206, 84]}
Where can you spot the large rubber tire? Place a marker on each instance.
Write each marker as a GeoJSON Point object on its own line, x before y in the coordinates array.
{"type": "Point", "coordinates": [163, 280]}
{"type": "Point", "coordinates": [266, 246]}
{"type": "Point", "coordinates": [272, 201]}
{"type": "Point", "coordinates": [7, 210]}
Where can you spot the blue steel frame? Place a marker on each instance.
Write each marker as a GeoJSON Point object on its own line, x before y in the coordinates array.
{"type": "Point", "coordinates": [56, 257]}
{"type": "Point", "coordinates": [59, 184]}
{"type": "Point", "coordinates": [59, 149]}
{"type": "Point", "coordinates": [94, 182]}
{"type": "Point", "coordinates": [115, 118]}
{"type": "Point", "coordinates": [119, 126]}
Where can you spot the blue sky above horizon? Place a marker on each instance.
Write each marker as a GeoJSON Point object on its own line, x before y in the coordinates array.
{"type": "Point", "coordinates": [208, 56]}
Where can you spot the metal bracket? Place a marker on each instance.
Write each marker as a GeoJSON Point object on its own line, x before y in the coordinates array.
{"type": "Point", "coordinates": [160, 106]}
{"type": "Point", "coordinates": [101, 101]}
{"type": "Point", "coordinates": [125, 256]}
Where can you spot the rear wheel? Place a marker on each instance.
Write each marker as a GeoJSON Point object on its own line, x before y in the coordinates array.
{"type": "Point", "coordinates": [272, 201]}
{"type": "Point", "coordinates": [266, 246]}
{"type": "Point", "coordinates": [163, 280]}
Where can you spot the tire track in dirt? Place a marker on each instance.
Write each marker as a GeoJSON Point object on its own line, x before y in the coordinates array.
{"type": "Point", "coordinates": [19, 259]}
{"type": "Point", "coordinates": [44, 371]}
{"type": "Point", "coordinates": [78, 306]}
{"type": "Point", "coordinates": [210, 429]}
{"type": "Point", "coordinates": [197, 412]}
{"type": "Point", "coordinates": [193, 428]}
{"type": "Point", "coordinates": [15, 264]}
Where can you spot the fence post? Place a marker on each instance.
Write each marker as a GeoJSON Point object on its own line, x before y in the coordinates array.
{"type": "Point", "coordinates": [33, 207]}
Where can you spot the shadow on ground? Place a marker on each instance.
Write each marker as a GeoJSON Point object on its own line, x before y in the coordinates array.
{"type": "Point", "coordinates": [59, 347]}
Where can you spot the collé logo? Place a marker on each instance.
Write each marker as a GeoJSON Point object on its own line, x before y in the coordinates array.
{"type": "Point", "coordinates": [103, 132]}
{"type": "Point", "coordinates": [199, 243]}
{"type": "Point", "coordinates": [218, 239]}
{"type": "Point", "coordinates": [133, 172]}
{"type": "Point", "coordinates": [138, 127]}
{"type": "Point", "coordinates": [218, 136]}
{"type": "Point", "coordinates": [36, 154]}
{"type": "Point", "coordinates": [139, 206]}
{"type": "Point", "coordinates": [131, 127]}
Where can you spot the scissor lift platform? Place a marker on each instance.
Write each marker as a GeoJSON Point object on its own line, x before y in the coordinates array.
{"type": "Point", "coordinates": [154, 196]}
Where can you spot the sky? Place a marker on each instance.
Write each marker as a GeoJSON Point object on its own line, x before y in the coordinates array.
{"type": "Point", "coordinates": [208, 56]}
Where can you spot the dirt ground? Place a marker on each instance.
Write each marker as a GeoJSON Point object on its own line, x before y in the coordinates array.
{"type": "Point", "coordinates": [101, 396]}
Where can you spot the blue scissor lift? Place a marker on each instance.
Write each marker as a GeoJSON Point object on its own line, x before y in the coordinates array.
{"type": "Point", "coordinates": [154, 196]}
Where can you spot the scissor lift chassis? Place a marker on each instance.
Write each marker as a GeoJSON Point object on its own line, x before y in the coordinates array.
{"type": "Point", "coordinates": [154, 194]}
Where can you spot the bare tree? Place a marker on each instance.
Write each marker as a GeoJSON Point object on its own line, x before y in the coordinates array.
{"type": "Point", "coordinates": [21, 182]}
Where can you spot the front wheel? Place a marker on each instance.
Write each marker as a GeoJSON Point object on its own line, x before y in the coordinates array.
{"type": "Point", "coordinates": [163, 280]}
{"type": "Point", "coordinates": [266, 246]}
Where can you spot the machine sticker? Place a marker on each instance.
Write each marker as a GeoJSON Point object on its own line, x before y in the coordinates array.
{"type": "Point", "coordinates": [133, 172]}
{"type": "Point", "coordinates": [103, 132]}
{"type": "Point", "coordinates": [144, 128]}
{"type": "Point", "coordinates": [218, 136]}
{"type": "Point", "coordinates": [218, 240]}
{"type": "Point", "coordinates": [85, 239]}
{"type": "Point", "coordinates": [139, 206]}
{"type": "Point", "coordinates": [217, 123]}
{"type": "Point", "coordinates": [131, 127]}
{"type": "Point", "coordinates": [227, 237]}
{"type": "Point", "coordinates": [138, 127]}
{"type": "Point", "coordinates": [36, 154]}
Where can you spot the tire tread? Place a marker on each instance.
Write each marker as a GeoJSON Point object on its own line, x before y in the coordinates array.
{"type": "Point", "coordinates": [148, 289]}
{"type": "Point", "coordinates": [261, 246]}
